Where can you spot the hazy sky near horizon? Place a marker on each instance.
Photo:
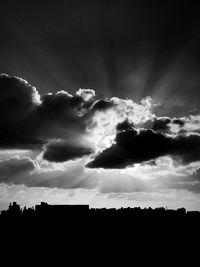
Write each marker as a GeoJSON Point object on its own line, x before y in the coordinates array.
{"type": "Point", "coordinates": [99, 103]}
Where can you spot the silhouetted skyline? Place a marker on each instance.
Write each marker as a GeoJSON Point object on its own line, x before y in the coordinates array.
{"type": "Point", "coordinates": [44, 210]}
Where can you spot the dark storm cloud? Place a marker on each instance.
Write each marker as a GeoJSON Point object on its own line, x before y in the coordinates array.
{"type": "Point", "coordinates": [25, 171]}
{"type": "Point", "coordinates": [18, 102]}
{"type": "Point", "coordinates": [11, 170]}
{"type": "Point", "coordinates": [124, 126]}
{"type": "Point", "coordinates": [179, 122]}
{"type": "Point", "coordinates": [28, 121]}
{"type": "Point", "coordinates": [163, 123]}
{"type": "Point", "coordinates": [58, 112]}
{"type": "Point", "coordinates": [62, 151]}
{"type": "Point", "coordinates": [138, 146]}
{"type": "Point", "coordinates": [58, 123]}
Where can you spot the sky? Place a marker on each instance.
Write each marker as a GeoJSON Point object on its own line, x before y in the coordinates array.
{"type": "Point", "coordinates": [99, 103]}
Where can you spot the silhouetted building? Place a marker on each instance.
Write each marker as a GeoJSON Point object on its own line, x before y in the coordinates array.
{"type": "Point", "coordinates": [13, 210]}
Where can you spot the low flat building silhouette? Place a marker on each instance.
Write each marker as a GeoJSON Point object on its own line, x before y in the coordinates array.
{"type": "Point", "coordinates": [45, 209]}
